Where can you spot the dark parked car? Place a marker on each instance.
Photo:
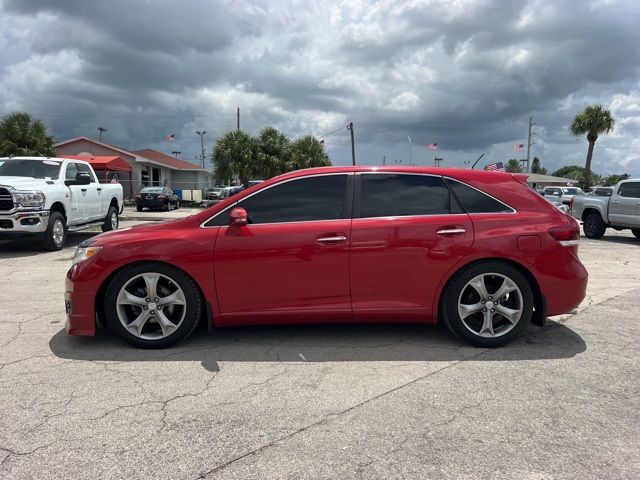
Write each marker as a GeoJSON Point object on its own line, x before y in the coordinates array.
{"type": "Point", "coordinates": [480, 251]}
{"type": "Point", "coordinates": [161, 198]}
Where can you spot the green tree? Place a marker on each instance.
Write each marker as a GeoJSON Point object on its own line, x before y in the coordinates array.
{"type": "Point", "coordinates": [273, 153]}
{"type": "Point", "coordinates": [536, 167]}
{"type": "Point", "coordinates": [308, 152]}
{"type": "Point", "coordinates": [576, 172]}
{"type": "Point", "coordinates": [23, 135]}
{"type": "Point", "coordinates": [235, 155]}
{"type": "Point", "coordinates": [593, 120]}
{"type": "Point", "coordinates": [513, 166]}
{"type": "Point", "coordinates": [611, 180]}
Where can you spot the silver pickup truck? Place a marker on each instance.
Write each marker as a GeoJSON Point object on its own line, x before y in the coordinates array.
{"type": "Point", "coordinates": [619, 211]}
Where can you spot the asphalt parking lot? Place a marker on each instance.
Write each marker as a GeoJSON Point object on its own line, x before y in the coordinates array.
{"type": "Point", "coordinates": [321, 402]}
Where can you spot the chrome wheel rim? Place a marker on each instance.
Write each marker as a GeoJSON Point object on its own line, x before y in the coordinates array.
{"type": "Point", "coordinates": [114, 221]}
{"type": "Point", "coordinates": [58, 232]}
{"type": "Point", "coordinates": [490, 305]}
{"type": "Point", "coordinates": [151, 306]}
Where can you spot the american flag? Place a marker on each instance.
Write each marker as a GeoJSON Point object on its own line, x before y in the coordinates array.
{"type": "Point", "coordinates": [495, 167]}
{"type": "Point", "coordinates": [518, 146]}
{"type": "Point", "coordinates": [432, 146]}
{"type": "Point", "coordinates": [170, 138]}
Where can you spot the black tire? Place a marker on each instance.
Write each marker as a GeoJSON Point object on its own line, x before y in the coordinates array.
{"type": "Point", "coordinates": [167, 206]}
{"type": "Point", "coordinates": [193, 304]}
{"type": "Point", "coordinates": [593, 226]}
{"type": "Point", "coordinates": [458, 287]}
{"type": "Point", "coordinates": [177, 204]}
{"type": "Point", "coordinates": [636, 232]}
{"type": "Point", "coordinates": [48, 241]}
{"type": "Point", "coordinates": [138, 208]}
{"type": "Point", "coordinates": [108, 224]}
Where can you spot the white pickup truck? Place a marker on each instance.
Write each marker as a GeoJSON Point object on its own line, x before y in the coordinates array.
{"type": "Point", "coordinates": [50, 196]}
{"type": "Point", "coordinates": [619, 211]}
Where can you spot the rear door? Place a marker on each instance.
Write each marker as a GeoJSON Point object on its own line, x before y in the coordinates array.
{"type": "Point", "coordinates": [291, 262]}
{"type": "Point", "coordinates": [407, 233]}
{"type": "Point", "coordinates": [624, 205]}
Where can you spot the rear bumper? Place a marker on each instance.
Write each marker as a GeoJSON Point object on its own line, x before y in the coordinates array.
{"type": "Point", "coordinates": [80, 307]}
{"type": "Point", "coordinates": [566, 288]}
{"type": "Point", "coordinates": [24, 222]}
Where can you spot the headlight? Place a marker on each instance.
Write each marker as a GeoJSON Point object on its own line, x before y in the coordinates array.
{"type": "Point", "coordinates": [85, 253]}
{"type": "Point", "coordinates": [29, 199]}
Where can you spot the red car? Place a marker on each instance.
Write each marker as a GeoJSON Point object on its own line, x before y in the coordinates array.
{"type": "Point", "coordinates": [480, 251]}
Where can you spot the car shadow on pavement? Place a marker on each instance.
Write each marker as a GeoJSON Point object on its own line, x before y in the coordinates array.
{"type": "Point", "coordinates": [325, 343]}
{"type": "Point", "coordinates": [27, 246]}
{"type": "Point", "coordinates": [616, 239]}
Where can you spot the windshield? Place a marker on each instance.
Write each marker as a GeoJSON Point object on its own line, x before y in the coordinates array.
{"type": "Point", "coordinates": [151, 190]}
{"type": "Point", "coordinates": [573, 191]}
{"type": "Point", "coordinates": [30, 168]}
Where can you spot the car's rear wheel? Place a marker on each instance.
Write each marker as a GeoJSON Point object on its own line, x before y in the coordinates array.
{"type": "Point", "coordinates": [636, 232]}
{"type": "Point", "coordinates": [152, 305]}
{"type": "Point", "coordinates": [55, 235]}
{"type": "Point", "coordinates": [488, 304]}
{"type": "Point", "coordinates": [111, 221]}
{"type": "Point", "coordinates": [593, 226]}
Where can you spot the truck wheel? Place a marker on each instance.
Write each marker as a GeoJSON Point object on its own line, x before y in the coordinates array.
{"type": "Point", "coordinates": [138, 208]}
{"type": "Point", "coordinates": [636, 232]}
{"type": "Point", "coordinates": [594, 227]}
{"type": "Point", "coordinates": [177, 204]}
{"type": "Point", "coordinates": [111, 221]}
{"type": "Point", "coordinates": [54, 237]}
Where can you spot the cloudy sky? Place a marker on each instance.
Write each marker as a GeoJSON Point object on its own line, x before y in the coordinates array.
{"type": "Point", "coordinates": [466, 74]}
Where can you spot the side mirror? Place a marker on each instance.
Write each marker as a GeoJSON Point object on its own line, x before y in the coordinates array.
{"type": "Point", "coordinates": [82, 178]}
{"type": "Point", "coordinates": [238, 217]}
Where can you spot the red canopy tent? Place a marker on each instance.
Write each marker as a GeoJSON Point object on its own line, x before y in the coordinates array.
{"type": "Point", "coordinates": [106, 164]}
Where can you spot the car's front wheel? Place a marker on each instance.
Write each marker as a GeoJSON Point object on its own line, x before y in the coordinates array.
{"type": "Point", "coordinates": [152, 305]}
{"type": "Point", "coordinates": [593, 226]}
{"type": "Point", "coordinates": [488, 304]}
{"type": "Point", "coordinates": [55, 235]}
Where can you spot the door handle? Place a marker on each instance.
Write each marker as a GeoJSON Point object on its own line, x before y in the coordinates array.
{"type": "Point", "coordinates": [451, 231]}
{"type": "Point", "coordinates": [332, 239]}
{"type": "Point", "coordinates": [100, 189]}
{"type": "Point", "coordinates": [83, 190]}
{"type": "Point", "coordinates": [615, 201]}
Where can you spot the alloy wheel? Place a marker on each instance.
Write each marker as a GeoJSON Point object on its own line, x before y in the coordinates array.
{"type": "Point", "coordinates": [58, 232]}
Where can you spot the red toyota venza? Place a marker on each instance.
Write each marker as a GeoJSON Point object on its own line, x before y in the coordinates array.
{"type": "Point", "coordinates": [479, 251]}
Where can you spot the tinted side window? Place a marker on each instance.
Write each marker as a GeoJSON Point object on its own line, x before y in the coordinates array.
{"type": "Point", "coordinates": [388, 195]}
{"type": "Point", "coordinates": [302, 200]}
{"type": "Point", "coordinates": [631, 189]}
{"type": "Point", "coordinates": [72, 170]}
{"type": "Point", "coordinates": [474, 201]}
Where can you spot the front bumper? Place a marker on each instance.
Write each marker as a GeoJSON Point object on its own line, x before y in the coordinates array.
{"type": "Point", "coordinates": [80, 309]}
{"type": "Point", "coordinates": [24, 222]}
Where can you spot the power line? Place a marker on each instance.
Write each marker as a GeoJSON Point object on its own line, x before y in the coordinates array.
{"type": "Point", "coordinates": [332, 132]}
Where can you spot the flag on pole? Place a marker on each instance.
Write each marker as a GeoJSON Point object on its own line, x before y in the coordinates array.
{"type": "Point", "coordinates": [518, 147]}
{"type": "Point", "coordinates": [432, 146]}
{"type": "Point", "coordinates": [495, 167]}
{"type": "Point", "coordinates": [170, 137]}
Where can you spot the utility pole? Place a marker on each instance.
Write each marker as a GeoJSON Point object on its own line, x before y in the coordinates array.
{"type": "Point", "coordinates": [238, 119]}
{"type": "Point", "coordinates": [101, 130]}
{"type": "Point", "coordinates": [353, 148]}
{"type": "Point", "coordinates": [529, 142]}
{"type": "Point", "coordinates": [201, 145]}
{"type": "Point", "coordinates": [384, 160]}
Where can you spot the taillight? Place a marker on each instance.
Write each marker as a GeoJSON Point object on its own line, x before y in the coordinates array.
{"type": "Point", "coordinates": [568, 234]}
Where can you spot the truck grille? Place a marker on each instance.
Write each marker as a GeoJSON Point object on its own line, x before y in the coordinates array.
{"type": "Point", "coordinates": [6, 202]}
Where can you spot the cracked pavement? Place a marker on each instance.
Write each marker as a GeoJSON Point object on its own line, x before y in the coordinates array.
{"type": "Point", "coordinates": [324, 401]}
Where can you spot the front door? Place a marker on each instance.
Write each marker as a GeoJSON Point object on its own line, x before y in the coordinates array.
{"type": "Point", "coordinates": [92, 195]}
{"type": "Point", "coordinates": [408, 234]}
{"type": "Point", "coordinates": [624, 205]}
{"type": "Point", "coordinates": [77, 206]}
{"type": "Point", "coordinates": [291, 262]}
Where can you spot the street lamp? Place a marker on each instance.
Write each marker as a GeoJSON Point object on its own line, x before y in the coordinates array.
{"type": "Point", "coordinates": [201, 145]}
{"type": "Point", "coordinates": [176, 153]}
{"type": "Point", "coordinates": [101, 130]}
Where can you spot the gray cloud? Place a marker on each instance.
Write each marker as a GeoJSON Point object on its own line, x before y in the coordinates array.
{"type": "Point", "coordinates": [465, 74]}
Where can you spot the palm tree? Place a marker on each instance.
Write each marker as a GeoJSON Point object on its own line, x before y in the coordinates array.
{"type": "Point", "coordinates": [235, 154]}
{"type": "Point", "coordinates": [23, 135]}
{"type": "Point", "coordinates": [274, 151]}
{"type": "Point", "coordinates": [593, 121]}
{"type": "Point", "coordinates": [308, 152]}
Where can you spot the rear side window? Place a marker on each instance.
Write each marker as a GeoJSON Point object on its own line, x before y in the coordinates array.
{"type": "Point", "coordinates": [475, 201]}
{"type": "Point", "coordinates": [390, 195]}
{"type": "Point", "coordinates": [302, 200]}
{"type": "Point", "coordinates": [630, 189]}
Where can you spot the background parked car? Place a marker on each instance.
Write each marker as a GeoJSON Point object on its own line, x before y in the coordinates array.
{"type": "Point", "coordinates": [564, 194]}
{"type": "Point", "coordinates": [215, 193]}
{"type": "Point", "coordinates": [601, 191]}
{"type": "Point", "coordinates": [157, 198]}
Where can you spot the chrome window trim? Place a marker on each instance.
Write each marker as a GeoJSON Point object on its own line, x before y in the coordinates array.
{"type": "Point", "coordinates": [202, 225]}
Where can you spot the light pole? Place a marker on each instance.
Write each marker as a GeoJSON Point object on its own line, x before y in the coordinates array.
{"type": "Point", "coordinates": [176, 153]}
{"type": "Point", "coordinates": [101, 130]}
{"type": "Point", "coordinates": [201, 146]}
